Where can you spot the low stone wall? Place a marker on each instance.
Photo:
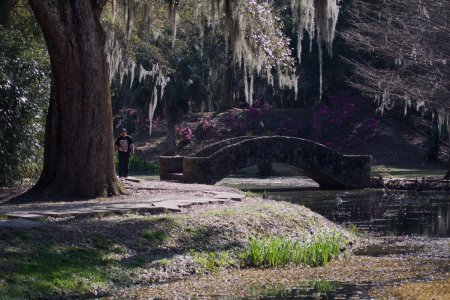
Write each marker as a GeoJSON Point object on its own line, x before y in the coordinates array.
{"type": "Point", "coordinates": [169, 165]}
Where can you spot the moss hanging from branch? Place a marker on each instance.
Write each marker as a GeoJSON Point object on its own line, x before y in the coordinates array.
{"type": "Point", "coordinates": [255, 32]}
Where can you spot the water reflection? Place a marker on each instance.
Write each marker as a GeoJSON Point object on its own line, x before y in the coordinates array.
{"type": "Point", "coordinates": [315, 290]}
{"type": "Point", "coordinates": [393, 212]}
{"type": "Point", "coordinates": [322, 289]}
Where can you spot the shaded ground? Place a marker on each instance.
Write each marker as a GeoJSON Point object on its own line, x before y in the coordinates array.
{"type": "Point", "coordinates": [99, 255]}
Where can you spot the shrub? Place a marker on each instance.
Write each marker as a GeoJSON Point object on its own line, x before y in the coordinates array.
{"type": "Point", "coordinates": [184, 134]}
{"type": "Point", "coordinates": [24, 94]}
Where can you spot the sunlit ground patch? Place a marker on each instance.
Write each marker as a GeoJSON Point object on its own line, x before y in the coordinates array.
{"type": "Point", "coordinates": [437, 290]}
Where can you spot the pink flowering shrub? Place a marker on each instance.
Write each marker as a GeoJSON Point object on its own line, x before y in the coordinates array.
{"type": "Point", "coordinates": [128, 118]}
{"type": "Point", "coordinates": [184, 134]}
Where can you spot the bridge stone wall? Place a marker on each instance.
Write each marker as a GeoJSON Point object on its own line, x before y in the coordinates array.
{"type": "Point", "coordinates": [330, 169]}
{"type": "Point", "coordinates": [169, 165]}
{"type": "Point", "coordinates": [211, 149]}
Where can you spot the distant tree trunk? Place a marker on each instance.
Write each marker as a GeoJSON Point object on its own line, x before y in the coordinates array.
{"type": "Point", "coordinates": [5, 12]}
{"type": "Point", "coordinates": [171, 136]}
{"type": "Point", "coordinates": [78, 156]}
{"type": "Point", "coordinates": [228, 84]}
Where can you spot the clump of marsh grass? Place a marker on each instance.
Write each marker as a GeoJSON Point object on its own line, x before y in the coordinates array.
{"type": "Point", "coordinates": [281, 251]}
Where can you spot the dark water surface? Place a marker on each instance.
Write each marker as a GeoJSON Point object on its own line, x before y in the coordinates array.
{"type": "Point", "coordinates": [317, 290]}
{"type": "Point", "coordinates": [322, 289]}
{"type": "Point", "coordinates": [424, 213]}
{"type": "Point", "coordinates": [386, 212]}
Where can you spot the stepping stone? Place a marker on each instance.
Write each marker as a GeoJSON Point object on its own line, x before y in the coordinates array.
{"type": "Point", "coordinates": [132, 179]}
{"type": "Point", "coordinates": [51, 213]}
{"type": "Point", "coordinates": [24, 215]}
{"type": "Point", "coordinates": [232, 196]}
{"type": "Point", "coordinates": [177, 203]}
{"type": "Point", "coordinates": [146, 207]}
{"type": "Point", "coordinates": [123, 207]}
{"type": "Point", "coordinates": [219, 200]}
{"type": "Point", "coordinates": [20, 223]}
{"type": "Point", "coordinates": [142, 205]}
{"type": "Point", "coordinates": [80, 212]}
{"type": "Point", "coordinates": [196, 201]}
{"type": "Point", "coordinates": [169, 205]}
{"type": "Point", "coordinates": [116, 209]}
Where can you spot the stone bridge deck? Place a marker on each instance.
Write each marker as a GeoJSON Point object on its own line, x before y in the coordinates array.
{"type": "Point", "coordinates": [329, 168]}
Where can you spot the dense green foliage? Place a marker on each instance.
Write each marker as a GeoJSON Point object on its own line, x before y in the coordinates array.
{"type": "Point", "coordinates": [24, 93]}
{"type": "Point", "coordinates": [139, 166]}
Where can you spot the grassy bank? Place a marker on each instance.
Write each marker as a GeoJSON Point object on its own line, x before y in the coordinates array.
{"type": "Point", "coordinates": [100, 255]}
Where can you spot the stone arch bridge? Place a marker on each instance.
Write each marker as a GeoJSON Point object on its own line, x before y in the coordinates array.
{"type": "Point", "coordinates": [329, 168]}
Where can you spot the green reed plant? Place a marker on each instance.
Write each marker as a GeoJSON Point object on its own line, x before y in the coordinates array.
{"type": "Point", "coordinates": [280, 251]}
{"type": "Point", "coordinates": [213, 261]}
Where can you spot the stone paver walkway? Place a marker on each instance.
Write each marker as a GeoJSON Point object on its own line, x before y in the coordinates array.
{"type": "Point", "coordinates": [15, 216]}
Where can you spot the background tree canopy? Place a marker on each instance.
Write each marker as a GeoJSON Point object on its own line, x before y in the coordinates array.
{"type": "Point", "coordinates": [227, 56]}
{"type": "Point", "coordinates": [24, 92]}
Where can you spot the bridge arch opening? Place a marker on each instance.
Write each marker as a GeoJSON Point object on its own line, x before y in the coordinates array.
{"type": "Point", "coordinates": [284, 176]}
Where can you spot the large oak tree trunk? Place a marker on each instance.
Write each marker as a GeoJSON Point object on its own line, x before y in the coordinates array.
{"type": "Point", "coordinates": [78, 156]}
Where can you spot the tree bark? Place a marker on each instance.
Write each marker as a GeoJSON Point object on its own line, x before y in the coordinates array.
{"type": "Point", "coordinates": [78, 154]}
{"type": "Point", "coordinates": [171, 143]}
{"type": "Point", "coordinates": [228, 84]}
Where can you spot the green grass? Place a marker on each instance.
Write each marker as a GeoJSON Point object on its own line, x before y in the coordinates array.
{"type": "Point", "coordinates": [250, 194]}
{"type": "Point", "coordinates": [213, 261]}
{"type": "Point", "coordinates": [101, 242]}
{"type": "Point", "coordinates": [15, 234]}
{"type": "Point", "coordinates": [223, 212]}
{"type": "Point", "coordinates": [155, 236]}
{"type": "Point", "coordinates": [48, 270]}
{"type": "Point", "coordinates": [406, 173]}
{"type": "Point", "coordinates": [281, 251]}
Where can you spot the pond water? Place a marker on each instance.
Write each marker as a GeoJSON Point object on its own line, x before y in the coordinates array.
{"type": "Point", "coordinates": [393, 213]}
{"type": "Point", "coordinates": [385, 212]}
{"type": "Point", "coordinates": [322, 289]}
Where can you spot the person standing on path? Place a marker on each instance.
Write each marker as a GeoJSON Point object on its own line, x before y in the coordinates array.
{"type": "Point", "coordinates": [125, 147]}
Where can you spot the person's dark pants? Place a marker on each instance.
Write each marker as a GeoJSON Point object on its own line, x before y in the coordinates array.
{"type": "Point", "coordinates": [124, 159]}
